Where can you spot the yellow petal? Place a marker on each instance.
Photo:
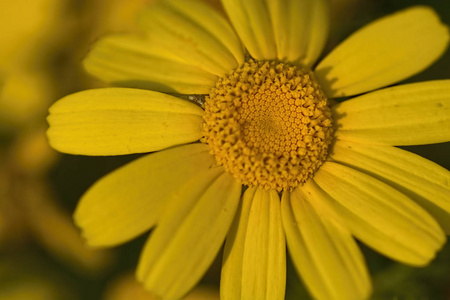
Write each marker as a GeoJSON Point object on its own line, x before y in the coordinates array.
{"type": "Point", "coordinates": [254, 264]}
{"type": "Point", "coordinates": [420, 179]}
{"type": "Point", "coordinates": [194, 33]}
{"type": "Point", "coordinates": [130, 200]}
{"type": "Point", "coordinates": [323, 251]}
{"type": "Point", "coordinates": [114, 121]}
{"type": "Point", "coordinates": [252, 22]}
{"type": "Point", "coordinates": [300, 29]}
{"type": "Point", "coordinates": [410, 114]}
{"type": "Point", "coordinates": [379, 215]}
{"type": "Point", "coordinates": [131, 61]}
{"type": "Point", "coordinates": [189, 235]}
{"type": "Point", "coordinates": [384, 52]}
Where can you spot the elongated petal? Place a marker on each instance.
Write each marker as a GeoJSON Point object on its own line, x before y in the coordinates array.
{"type": "Point", "coordinates": [194, 33]}
{"type": "Point", "coordinates": [116, 121]}
{"type": "Point", "coordinates": [422, 180]}
{"type": "Point", "coordinates": [323, 251]}
{"type": "Point", "coordinates": [189, 235]}
{"type": "Point", "coordinates": [300, 29]}
{"type": "Point", "coordinates": [379, 215]}
{"type": "Point", "coordinates": [384, 52]}
{"type": "Point", "coordinates": [254, 264]}
{"type": "Point", "coordinates": [252, 22]}
{"type": "Point", "coordinates": [130, 200]}
{"type": "Point", "coordinates": [132, 61]}
{"type": "Point", "coordinates": [410, 114]}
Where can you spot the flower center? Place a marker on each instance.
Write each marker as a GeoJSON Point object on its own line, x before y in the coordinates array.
{"type": "Point", "coordinates": [268, 124]}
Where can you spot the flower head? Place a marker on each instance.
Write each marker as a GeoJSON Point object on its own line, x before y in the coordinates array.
{"type": "Point", "coordinates": [268, 124]}
{"type": "Point", "coordinates": [314, 174]}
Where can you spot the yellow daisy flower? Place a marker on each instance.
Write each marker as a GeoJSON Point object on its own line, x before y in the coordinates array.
{"type": "Point", "coordinates": [314, 174]}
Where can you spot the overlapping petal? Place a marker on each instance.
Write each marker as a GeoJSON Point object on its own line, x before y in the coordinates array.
{"type": "Point", "coordinates": [254, 265]}
{"type": "Point", "coordinates": [189, 234]}
{"type": "Point", "coordinates": [322, 249]}
{"type": "Point", "coordinates": [130, 200]}
{"type": "Point", "coordinates": [132, 61]}
{"type": "Point", "coordinates": [251, 20]}
{"type": "Point", "coordinates": [300, 29]}
{"type": "Point", "coordinates": [114, 121]}
{"type": "Point", "coordinates": [410, 114]}
{"type": "Point", "coordinates": [422, 180]}
{"type": "Point", "coordinates": [384, 52]}
{"type": "Point", "coordinates": [193, 33]}
{"type": "Point", "coordinates": [379, 215]}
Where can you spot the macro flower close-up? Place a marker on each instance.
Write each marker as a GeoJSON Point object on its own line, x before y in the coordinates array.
{"type": "Point", "coordinates": [263, 143]}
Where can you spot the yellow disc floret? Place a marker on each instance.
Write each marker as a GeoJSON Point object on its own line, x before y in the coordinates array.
{"type": "Point", "coordinates": [268, 124]}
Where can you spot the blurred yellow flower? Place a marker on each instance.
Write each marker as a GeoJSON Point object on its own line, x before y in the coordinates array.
{"type": "Point", "coordinates": [29, 212]}
{"type": "Point", "coordinates": [26, 88]}
{"type": "Point", "coordinates": [32, 33]}
{"type": "Point", "coordinates": [26, 24]}
{"type": "Point", "coordinates": [267, 123]}
{"type": "Point", "coordinates": [126, 287]}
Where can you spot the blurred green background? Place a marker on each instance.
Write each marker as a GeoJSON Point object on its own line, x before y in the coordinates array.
{"type": "Point", "coordinates": [42, 255]}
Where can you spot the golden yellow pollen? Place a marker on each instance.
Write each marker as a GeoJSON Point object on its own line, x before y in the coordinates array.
{"type": "Point", "coordinates": [268, 124]}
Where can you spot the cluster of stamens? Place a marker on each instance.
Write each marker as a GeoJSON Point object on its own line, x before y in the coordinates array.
{"type": "Point", "coordinates": [268, 124]}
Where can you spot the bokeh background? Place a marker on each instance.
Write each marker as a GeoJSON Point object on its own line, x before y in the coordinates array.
{"type": "Point", "coordinates": [42, 255]}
